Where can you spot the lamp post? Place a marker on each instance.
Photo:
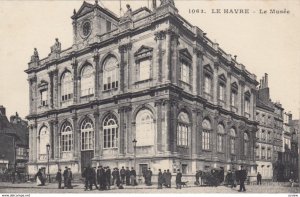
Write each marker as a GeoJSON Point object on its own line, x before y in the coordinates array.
{"type": "Point", "coordinates": [134, 148]}
{"type": "Point", "coordinates": [48, 150]}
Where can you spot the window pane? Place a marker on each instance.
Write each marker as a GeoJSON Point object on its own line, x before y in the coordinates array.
{"type": "Point", "coordinates": [144, 69]}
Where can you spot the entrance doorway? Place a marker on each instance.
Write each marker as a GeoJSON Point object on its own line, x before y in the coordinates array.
{"type": "Point", "coordinates": [86, 158]}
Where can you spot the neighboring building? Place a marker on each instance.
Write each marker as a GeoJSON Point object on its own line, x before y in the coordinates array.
{"type": "Point", "coordinates": [149, 76]}
{"type": "Point", "coordinates": [294, 149]}
{"type": "Point", "coordinates": [22, 144]}
{"type": "Point", "coordinates": [278, 141]}
{"type": "Point", "coordinates": [13, 142]}
{"type": "Point", "coordinates": [266, 134]}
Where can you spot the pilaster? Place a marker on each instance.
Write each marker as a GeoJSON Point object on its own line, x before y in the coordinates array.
{"type": "Point", "coordinates": [97, 134]}
{"type": "Point", "coordinates": [75, 80]}
{"type": "Point", "coordinates": [159, 138]}
{"type": "Point", "coordinates": [159, 37]}
{"type": "Point", "coordinates": [96, 61]}
{"type": "Point", "coordinates": [76, 137]}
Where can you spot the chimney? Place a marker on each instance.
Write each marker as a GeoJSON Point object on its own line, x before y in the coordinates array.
{"type": "Point", "coordinates": [266, 80]}
{"type": "Point", "coordinates": [2, 110]}
{"type": "Point", "coordinates": [153, 4]}
{"type": "Point", "coordinates": [260, 84]}
{"type": "Point", "coordinates": [263, 82]}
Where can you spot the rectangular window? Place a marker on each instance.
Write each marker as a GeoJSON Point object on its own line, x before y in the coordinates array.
{"type": "Point", "coordinates": [247, 105]}
{"type": "Point", "coordinates": [44, 97]}
{"type": "Point", "coordinates": [233, 98]}
{"type": "Point", "coordinates": [207, 85]}
{"type": "Point", "coordinates": [108, 26]}
{"type": "Point", "coordinates": [221, 92]}
{"type": "Point", "coordinates": [185, 72]}
{"type": "Point", "coordinates": [144, 68]}
{"type": "Point", "coordinates": [232, 145]}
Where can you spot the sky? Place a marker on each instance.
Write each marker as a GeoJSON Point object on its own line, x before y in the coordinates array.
{"type": "Point", "coordinates": [264, 43]}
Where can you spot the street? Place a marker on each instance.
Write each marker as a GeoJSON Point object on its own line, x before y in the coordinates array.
{"type": "Point", "coordinates": [79, 188]}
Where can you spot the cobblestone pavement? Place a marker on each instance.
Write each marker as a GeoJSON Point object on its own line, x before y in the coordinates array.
{"type": "Point", "coordinates": [79, 188]}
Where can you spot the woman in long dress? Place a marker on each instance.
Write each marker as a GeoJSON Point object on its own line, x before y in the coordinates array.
{"type": "Point", "coordinates": [39, 178]}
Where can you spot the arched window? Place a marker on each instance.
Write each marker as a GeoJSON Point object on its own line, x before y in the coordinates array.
{"type": "Point", "coordinates": [110, 127]}
{"type": "Point", "coordinates": [246, 143]}
{"type": "Point", "coordinates": [110, 74]}
{"type": "Point", "coordinates": [44, 140]}
{"type": "Point", "coordinates": [87, 81]}
{"type": "Point", "coordinates": [145, 128]}
{"type": "Point", "coordinates": [183, 129]}
{"type": "Point", "coordinates": [87, 135]}
{"type": "Point", "coordinates": [206, 134]}
{"type": "Point", "coordinates": [66, 137]}
{"type": "Point", "coordinates": [232, 140]}
{"type": "Point", "coordinates": [66, 87]}
{"type": "Point", "coordinates": [220, 138]}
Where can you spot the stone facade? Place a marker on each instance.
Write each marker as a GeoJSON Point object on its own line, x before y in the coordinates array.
{"type": "Point", "coordinates": [155, 78]}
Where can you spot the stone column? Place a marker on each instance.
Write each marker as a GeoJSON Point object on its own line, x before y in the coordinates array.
{"type": "Point", "coordinates": [123, 111]}
{"type": "Point", "coordinates": [167, 67]}
{"type": "Point", "coordinates": [242, 85]}
{"type": "Point", "coordinates": [174, 65]}
{"type": "Point", "coordinates": [50, 74]}
{"type": "Point", "coordinates": [253, 105]}
{"type": "Point", "coordinates": [195, 70]}
{"type": "Point", "coordinates": [228, 91]}
{"type": "Point", "coordinates": [194, 134]}
{"type": "Point", "coordinates": [32, 94]}
{"type": "Point", "coordinates": [129, 66]}
{"type": "Point", "coordinates": [123, 49]}
{"type": "Point", "coordinates": [30, 142]}
{"type": "Point", "coordinates": [97, 134]}
{"type": "Point", "coordinates": [214, 137]}
{"type": "Point", "coordinates": [215, 83]}
{"type": "Point", "coordinates": [76, 137]}
{"type": "Point", "coordinates": [159, 136]}
{"type": "Point", "coordinates": [75, 80]}
{"type": "Point", "coordinates": [159, 37]}
{"type": "Point", "coordinates": [96, 61]}
{"type": "Point", "coordinates": [51, 143]}
{"type": "Point", "coordinates": [55, 89]}
{"type": "Point", "coordinates": [56, 139]}
{"type": "Point", "coordinates": [35, 138]}
{"type": "Point", "coordinates": [199, 133]}
{"type": "Point", "coordinates": [167, 128]}
{"type": "Point", "coordinates": [173, 125]}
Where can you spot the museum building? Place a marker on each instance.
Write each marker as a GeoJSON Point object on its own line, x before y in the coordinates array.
{"type": "Point", "coordinates": [146, 89]}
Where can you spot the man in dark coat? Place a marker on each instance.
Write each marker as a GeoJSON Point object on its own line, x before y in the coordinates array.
{"type": "Point", "coordinates": [168, 178]}
{"type": "Point", "coordinates": [58, 178]}
{"type": "Point", "coordinates": [101, 177]}
{"type": "Point", "coordinates": [114, 176]}
{"type": "Point", "coordinates": [66, 175]}
{"type": "Point", "coordinates": [160, 179]}
{"type": "Point", "coordinates": [243, 177]}
{"type": "Point", "coordinates": [148, 177]}
{"type": "Point", "coordinates": [178, 179]}
{"type": "Point", "coordinates": [118, 180]}
{"type": "Point", "coordinates": [197, 177]}
{"type": "Point", "coordinates": [84, 175]}
{"type": "Point", "coordinates": [108, 177]}
{"type": "Point", "coordinates": [127, 175]}
{"type": "Point", "coordinates": [133, 177]}
{"type": "Point", "coordinates": [258, 178]}
{"type": "Point", "coordinates": [123, 175]}
{"type": "Point", "coordinates": [94, 177]}
{"type": "Point", "coordinates": [164, 178]}
{"type": "Point", "coordinates": [70, 178]}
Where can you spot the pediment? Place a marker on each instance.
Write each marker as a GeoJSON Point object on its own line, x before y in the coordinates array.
{"type": "Point", "coordinates": [208, 68]}
{"type": "Point", "coordinates": [185, 53]}
{"type": "Point", "coordinates": [142, 50]}
{"type": "Point", "coordinates": [234, 86]}
{"type": "Point", "coordinates": [84, 9]}
{"type": "Point", "coordinates": [222, 77]}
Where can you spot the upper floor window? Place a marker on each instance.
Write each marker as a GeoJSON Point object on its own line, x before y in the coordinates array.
{"type": "Point", "coordinates": [234, 91]}
{"type": "Point", "coordinates": [247, 102]}
{"type": "Point", "coordinates": [207, 84]}
{"type": "Point", "coordinates": [145, 130]}
{"type": "Point", "coordinates": [87, 81]}
{"type": "Point", "coordinates": [185, 72]}
{"type": "Point", "coordinates": [144, 69]}
{"type": "Point", "coordinates": [44, 97]}
{"type": "Point", "coordinates": [183, 129]}
{"type": "Point", "coordinates": [66, 87]}
{"type": "Point", "coordinates": [206, 134]}
{"type": "Point", "coordinates": [143, 60]}
{"type": "Point", "coordinates": [110, 74]}
{"type": "Point", "coordinates": [221, 92]}
{"type": "Point", "coordinates": [110, 127]}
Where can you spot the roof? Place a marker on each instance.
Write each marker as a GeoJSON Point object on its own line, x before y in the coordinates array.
{"type": "Point", "coordinates": [22, 132]}
{"type": "Point", "coordinates": [5, 126]}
